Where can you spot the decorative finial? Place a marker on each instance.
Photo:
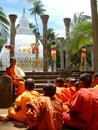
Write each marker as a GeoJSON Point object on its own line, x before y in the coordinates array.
{"type": "Point", "coordinates": [23, 10]}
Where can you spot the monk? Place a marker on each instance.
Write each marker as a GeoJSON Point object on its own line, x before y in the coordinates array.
{"type": "Point", "coordinates": [83, 113]}
{"type": "Point", "coordinates": [17, 111]}
{"type": "Point", "coordinates": [95, 80]}
{"type": "Point", "coordinates": [61, 90]}
{"type": "Point", "coordinates": [45, 112]}
{"type": "Point", "coordinates": [17, 80]}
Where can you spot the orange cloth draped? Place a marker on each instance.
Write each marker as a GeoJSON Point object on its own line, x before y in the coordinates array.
{"type": "Point", "coordinates": [45, 114]}
{"type": "Point", "coordinates": [21, 100]}
{"type": "Point", "coordinates": [72, 90]}
{"type": "Point", "coordinates": [83, 113]}
{"type": "Point", "coordinates": [96, 87]}
{"type": "Point", "coordinates": [65, 95]}
{"type": "Point", "coordinates": [18, 83]}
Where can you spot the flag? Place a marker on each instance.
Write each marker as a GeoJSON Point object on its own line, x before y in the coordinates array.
{"type": "Point", "coordinates": [25, 48]}
{"type": "Point", "coordinates": [83, 57]}
{"type": "Point", "coordinates": [53, 50]}
{"type": "Point", "coordinates": [9, 47]}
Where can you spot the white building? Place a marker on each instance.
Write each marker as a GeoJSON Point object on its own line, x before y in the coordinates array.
{"type": "Point", "coordinates": [23, 40]}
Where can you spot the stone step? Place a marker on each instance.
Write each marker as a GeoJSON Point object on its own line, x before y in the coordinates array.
{"type": "Point", "coordinates": [42, 76]}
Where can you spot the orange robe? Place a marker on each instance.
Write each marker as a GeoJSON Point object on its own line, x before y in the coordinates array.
{"type": "Point", "coordinates": [21, 100]}
{"type": "Point", "coordinates": [96, 86]}
{"type": "Point", "coordinates": [83, 113]}
{"type": "Point", "coordinates": [18, 83]}
{"type": "Point", "coordinates": [63, 94]}
{"type": "Point", "coordinates": [45, 114]}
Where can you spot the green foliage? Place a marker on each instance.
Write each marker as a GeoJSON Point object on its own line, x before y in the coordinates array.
{"type": "Point", "coordinates": [4, 28]}
{"type": "Point", "coordinates": [81, 35]}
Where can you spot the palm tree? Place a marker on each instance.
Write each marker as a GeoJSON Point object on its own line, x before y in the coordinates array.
{"type": "Point", "coordinates": [29, 1]}
{"type": "Point", "coordinates": [82, 36]}
{"type": "Point", "coordinates": [37, 10]}
{"type": "Point", "coordinates": [31, 25]}
{"type": "Point", "coordinates": [4, 27]}
{"type": "Point", "coordinates": [79, 18]}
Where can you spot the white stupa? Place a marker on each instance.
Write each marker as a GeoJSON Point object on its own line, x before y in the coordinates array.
{"type": "Point", "coordinates": [24, 39]}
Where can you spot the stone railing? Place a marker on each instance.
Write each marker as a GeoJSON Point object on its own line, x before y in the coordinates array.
{"type": "Point", "coordinates": [26, 63]}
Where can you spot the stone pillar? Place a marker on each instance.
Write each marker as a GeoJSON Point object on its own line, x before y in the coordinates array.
{"type": "Point", "coordinates": [12, 18]}
{"type": "Point", "coordinates": [44, 19]}
{"type": "Point", "coordinates": [61, 52]}
{"type": "Point", "coordinates": [94, 10]}
{"type": "Point", "coordinates": [68, 54]}
{"type": "Point", "coordinates": [37, 43]}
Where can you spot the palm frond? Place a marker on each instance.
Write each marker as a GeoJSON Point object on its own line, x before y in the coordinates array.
{"type": "Point", "coordinates": [81, 35]}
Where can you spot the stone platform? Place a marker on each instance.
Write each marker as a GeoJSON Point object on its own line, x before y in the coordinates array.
{"type": "Point", "coordinates": [10, 125]}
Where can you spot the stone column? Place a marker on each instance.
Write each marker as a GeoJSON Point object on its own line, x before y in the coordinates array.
{"type": "Point", "coordinates": [12, 18]}
{"type": "Point", "coordinates": [68, 54]}
{"type": "Point", "coordinates": [44, 19]}
{"type": "Point", "coordinates": [37, 43]}
{"type": "Point", "coordinates": [61, 52]}
{"type": "Point", "coordinates": [94, 10]}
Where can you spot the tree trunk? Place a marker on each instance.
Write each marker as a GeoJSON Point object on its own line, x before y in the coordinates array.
{"type": "Point", "coordinates": [94, 10]}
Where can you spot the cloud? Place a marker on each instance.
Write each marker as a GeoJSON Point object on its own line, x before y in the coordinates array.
{"type": "Point", "coordinates": [60, 9]}
{"type": "Point", "coordinates": [56, 9]}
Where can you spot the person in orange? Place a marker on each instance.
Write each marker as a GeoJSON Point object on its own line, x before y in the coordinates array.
{"type": "Point", "coordinates": [18, 110]}
{"type": "Point", "coordinates": [83, 107]}
{"type": "Point", "coordinates": [95, 80]}
{"type": "Point", "coordinates": [62, 92]}
{"type": "Point", "coordinates": [45, 112]}
{"type": "Point", "coordinates": [72, 88]}
{"type": "Point", "coordinates": [18, 80]}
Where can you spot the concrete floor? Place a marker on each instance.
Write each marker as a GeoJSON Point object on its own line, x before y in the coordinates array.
{"type": "Point", "coordinates": [9, 125]}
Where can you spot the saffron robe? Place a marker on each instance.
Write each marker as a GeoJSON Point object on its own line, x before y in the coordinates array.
{"type": "Point", "coordinates": [21, 100]}
{"type": "Point", "coordinates": [45, 114]}
{"type": "Point", "coordinates": [83, 113]}
{"type": "Point", "coordinates": [17, 81]}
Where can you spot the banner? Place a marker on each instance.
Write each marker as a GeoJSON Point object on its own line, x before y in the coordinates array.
{"type": "Point", "coordinates": [83, 57]}
{"type": "Point", "coordinates": [53, 50]}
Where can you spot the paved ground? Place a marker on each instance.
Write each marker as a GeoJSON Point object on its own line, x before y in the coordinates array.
{"type": "Point", "coordinates": [10, 125]}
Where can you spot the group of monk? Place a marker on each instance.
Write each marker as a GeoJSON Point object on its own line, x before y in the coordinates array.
{"type": "Point", "coordinates": [67, 103]}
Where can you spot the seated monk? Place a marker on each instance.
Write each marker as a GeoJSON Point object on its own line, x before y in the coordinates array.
{"type": "Point", "coordinates": [18, 81]}
{"type": "Point", "coordinates": [95, 80]}
{"type": "Point", "coordinates": [62, 92]}
{"type": "Point", "coordinates": [17, 111]}
{"type": "Point", "coordinates": [45, 112]}
{"type": "Point", "coordinates": [83, 106]}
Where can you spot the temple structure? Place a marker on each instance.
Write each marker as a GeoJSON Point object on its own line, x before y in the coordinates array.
{"type": "Point", "coordinates": [25, 44]}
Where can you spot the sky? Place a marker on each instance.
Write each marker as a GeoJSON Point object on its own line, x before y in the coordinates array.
{"type": "Point", "coordinates": [56, 9]}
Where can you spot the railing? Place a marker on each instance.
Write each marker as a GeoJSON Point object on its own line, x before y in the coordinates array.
{"type": "Point", "coordinates": [26, 63]}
